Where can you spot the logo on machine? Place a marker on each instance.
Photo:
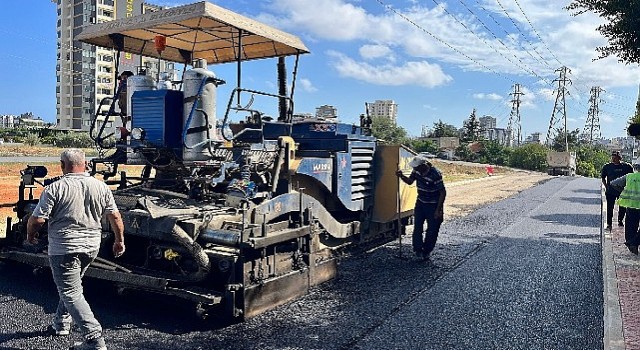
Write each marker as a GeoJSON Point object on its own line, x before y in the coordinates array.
{"type": "Point", "coordinates": [321, 168]}
{"type": "Point", "coordinates": [322, 127]}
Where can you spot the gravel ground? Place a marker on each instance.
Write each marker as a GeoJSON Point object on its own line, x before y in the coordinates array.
{"type": "Point", "coordinates": [522, 273]}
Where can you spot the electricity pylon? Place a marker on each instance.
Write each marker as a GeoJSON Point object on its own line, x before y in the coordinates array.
{"type": "Point", "coordinates": [560, 107]}
{"type": "Point", "coordinates": [592, 125]}
{"type": "Point", "coordinates": [515, 128]}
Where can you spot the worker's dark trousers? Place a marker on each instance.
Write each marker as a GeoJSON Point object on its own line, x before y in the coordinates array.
{"type": "Point", "coordinates": [425, 212]}
{"type": "Point", "coordinates": [631, 223]}
{"type": "Point", "coordinates": [611, 201]}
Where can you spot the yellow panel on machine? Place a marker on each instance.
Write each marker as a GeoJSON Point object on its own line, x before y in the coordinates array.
{"type": "Point", "coordinates": [392, 195]}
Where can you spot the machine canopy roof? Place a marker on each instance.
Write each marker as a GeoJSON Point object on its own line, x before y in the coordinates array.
{"type": "Point", "coordinates": [199, 30]}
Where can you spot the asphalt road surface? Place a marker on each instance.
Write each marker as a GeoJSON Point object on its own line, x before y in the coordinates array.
{"type": "Point", "coordinates": [522, 273]}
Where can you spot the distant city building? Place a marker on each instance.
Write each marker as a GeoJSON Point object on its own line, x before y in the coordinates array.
{"type": "Point", "coordinates": [326, 111]}
{"type": "Point", "coordinates": [444, 142]}
{"type": "Point", "coordinates": [383, 108]}
{"type": "Point", "coordinates": [487, 122]}
{"type": "Point", "coordinates": [628, 147]}
{"type": "Point", "coordinates": [495, 134]}
{"type": "Point", "coordinates": [533, 138]}
{"type": "Point", "coordinates": [86, 73]}
{"type": "Point", "coordinates": [26, 122]}
{"type": "Point", "coordinates": [8, 121]}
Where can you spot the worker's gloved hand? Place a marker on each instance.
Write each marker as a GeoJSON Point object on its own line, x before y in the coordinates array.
{"type": "Point", "coordinates": [399, 173]}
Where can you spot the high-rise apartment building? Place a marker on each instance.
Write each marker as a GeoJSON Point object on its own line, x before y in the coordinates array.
{"type": "Point", "coordinates": [383, 108]}
{"type": "Point", "coordinates": [86, 73]}
{"type": "Point", "coordinates": [487, 122]}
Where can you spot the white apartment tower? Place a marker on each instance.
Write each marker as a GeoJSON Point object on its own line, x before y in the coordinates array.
{"type": "Point", "coordinates": [383, 108]}
{"type": "Point", "coordinates": [85, 73]}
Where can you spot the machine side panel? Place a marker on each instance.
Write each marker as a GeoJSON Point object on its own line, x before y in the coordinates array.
{"type": "Point", "coordinates": [159, 114]}
{"type": "Point", "coordinates": [318, 168]}
{"type": "Point", "coordinates": [391, 194]}
{"type": "Point", "coordinates": [355, 174]}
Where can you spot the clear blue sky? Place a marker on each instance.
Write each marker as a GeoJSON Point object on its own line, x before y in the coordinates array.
{"type": "Point", "coordinates": [437, 59]}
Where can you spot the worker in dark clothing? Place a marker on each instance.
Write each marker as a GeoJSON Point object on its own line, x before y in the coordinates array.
{"type": "Point", "coordinates": [610, 172]}
{"type": "Point", "coordinates": [429, 205]}
{"type": "Point", "coordinates": [629, 188]}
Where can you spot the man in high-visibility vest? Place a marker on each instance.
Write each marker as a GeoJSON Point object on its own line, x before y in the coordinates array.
{"type": "Point", "coordinates": [629, 198]}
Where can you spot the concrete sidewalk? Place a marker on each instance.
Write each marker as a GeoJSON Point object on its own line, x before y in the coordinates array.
{"type": "Point", "coordinates": [621, 276]}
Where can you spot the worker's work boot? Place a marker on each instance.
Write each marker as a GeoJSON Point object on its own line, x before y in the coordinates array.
{"type": "Point", "coordinates": [90, 344]}
{"type": "Point", "coordinates": [52, 330]}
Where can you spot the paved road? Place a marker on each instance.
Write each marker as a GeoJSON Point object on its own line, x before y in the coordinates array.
{"type": "Point", "coordinates": [523, 273]}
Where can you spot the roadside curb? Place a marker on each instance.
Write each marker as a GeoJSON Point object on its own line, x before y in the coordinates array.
{"type": "Point", "coordinates": [612, 318]}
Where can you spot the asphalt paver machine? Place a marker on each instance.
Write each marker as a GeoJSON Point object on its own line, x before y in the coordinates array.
{"type": "Point", "coordinates": [239, 212]}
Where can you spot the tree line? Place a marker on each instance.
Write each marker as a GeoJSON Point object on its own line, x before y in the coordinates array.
{"type": "Point", "coordinates": [532, 156]}
{"type": "Point", "coordinates": [47, 136]}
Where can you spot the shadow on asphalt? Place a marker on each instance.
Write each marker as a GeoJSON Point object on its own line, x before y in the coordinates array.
{"type": "Point", "coordinates": [580, 220]}
{"type": "Point", "coordinates": [583, 190]}
{"type": "Point", "coordinates": [570, 235]}
{"type": "Point", "coordinates": [582, 200]}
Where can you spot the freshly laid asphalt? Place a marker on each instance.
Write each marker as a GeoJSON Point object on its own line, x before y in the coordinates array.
{"type": "Point", "coordinates": [522, 273]}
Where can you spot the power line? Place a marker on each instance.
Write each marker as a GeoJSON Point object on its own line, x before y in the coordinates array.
{"type": "Point", "coordinates": [542, 60]}
{"type": "Point", "coordinates": [592, 125]}
{"type": "Point", "coordinates": [532, 27]}
{"type": "Point", "coordinates": [515, 125]}
{"type": "Point", "coordinates": [390, 8]}
{"type": "Point", "coordinates": [531, 71]}
{"type": "Point", "coordinates": [560, 107]}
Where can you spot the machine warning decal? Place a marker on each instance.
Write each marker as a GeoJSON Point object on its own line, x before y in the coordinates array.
{"type": "Point", "coordinates": [322, 127]}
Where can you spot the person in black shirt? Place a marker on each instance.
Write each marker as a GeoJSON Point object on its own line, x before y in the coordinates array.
{"type": "Point", "coordinates": [610, 172]}
{"type": "Point", "coordinates": [429, 204]}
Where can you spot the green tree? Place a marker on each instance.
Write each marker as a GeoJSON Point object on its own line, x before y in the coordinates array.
{"type": "Point", "coordinates": [441, 129]}
{"type": "Point", "coordinates": [586, 169]}
{"type": "Point", "coordinates": [532, 156]}
{"type": "Point", "coordinates": [72, 140]}
{"type": "Point", "coordinates": [573, 140]}
{"type": "Point", "coordinates": [423, 146]}
{"type": "Point", "coordinates": [387, 131]}
{"type": "Point", "coordinates": [464, 153]}
{"type": "Point", "coordinates": [590, 159]}
{"type": "Point", "coordinates": [493, 152]}
{"type": "Point", "coordinates": [32, 139]}
{"type": "Point", "coordinates": [471, 128]}
{"type": "Point", "coordinates": [622, 28]}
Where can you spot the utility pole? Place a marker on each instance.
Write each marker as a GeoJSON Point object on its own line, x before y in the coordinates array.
{"type": "Point", "coordinates": [592, 125]}
{"type": "Point", "coordinates": [560, 107]}
{"type": "Point", "coordinates": [514, 118]}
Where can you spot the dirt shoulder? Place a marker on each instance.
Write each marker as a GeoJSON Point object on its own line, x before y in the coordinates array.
{"type": "Point", "coordinates": [463, 197]}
